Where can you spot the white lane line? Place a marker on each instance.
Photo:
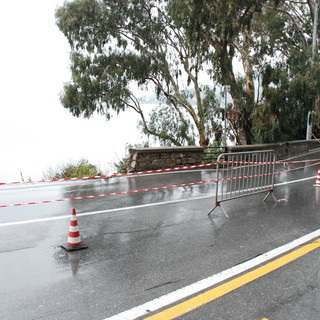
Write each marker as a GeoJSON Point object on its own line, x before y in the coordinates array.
{"type": "Point", "coordinates": [294, 181]}
{"type": "Point", "coordinates": [211, 281]}
{"type": "Point", "coordinates": [15, 223]}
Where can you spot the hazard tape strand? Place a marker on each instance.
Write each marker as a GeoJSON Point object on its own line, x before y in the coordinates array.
{"type": "Point", "coordinates": [108, 194]}
{"type": "Point", "coordinates": [155, 188]}
{"type": "Point", "coordinates": [115, 175]}
{"type": "Point", "coordinates": [112, 175]}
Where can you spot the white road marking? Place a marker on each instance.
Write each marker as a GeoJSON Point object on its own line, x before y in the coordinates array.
{"type": "Point", "coordinates": [15, 223]}
{"type": "Point", "coordinates": [211, 281]}
{"type": "Point", "coordinates": [196, 287]}
{"type": "Point", "coordinates": [294, 181]}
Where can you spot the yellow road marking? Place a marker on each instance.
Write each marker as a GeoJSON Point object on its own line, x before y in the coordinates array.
{"type": "Point", "coordinates": [232, 285]}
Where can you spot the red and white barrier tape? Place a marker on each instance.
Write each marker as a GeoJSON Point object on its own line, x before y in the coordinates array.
{"type": "Point", "coordinates": [152, 171]}
{"type": "Point", "coordinates": [133, 191]}
{"type": "Point", "coordinates": [113, 175]}
{"type": "Point", "coordinates": [155, 188]}
{"type": "Point", "coordinates": [108, 194]}
{"type": "Point", "coordinates": [276, 162]}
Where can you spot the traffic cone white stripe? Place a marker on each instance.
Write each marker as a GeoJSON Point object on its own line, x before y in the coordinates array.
{"type": "Point", "coordinates": [74, 240]}
{"type": "Point", "coordinates": [73, 228]}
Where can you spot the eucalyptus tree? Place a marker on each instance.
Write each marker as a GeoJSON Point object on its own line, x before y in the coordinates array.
{"type": "Point", "coordinates": [271, 39]}
{"type": "Point", "coordinates": [223, 31]}
{"type": "Point", "coordinates": [119, 48]}
{"type": "Point", "coordinates": [290, 78]}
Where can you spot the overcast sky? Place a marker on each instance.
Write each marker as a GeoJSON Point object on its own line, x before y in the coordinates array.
{"type": "Point", "coordinates": [36, 132]}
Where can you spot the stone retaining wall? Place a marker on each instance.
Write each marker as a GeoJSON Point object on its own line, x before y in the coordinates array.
{"type": "Point", "coordinates": [142, 159]}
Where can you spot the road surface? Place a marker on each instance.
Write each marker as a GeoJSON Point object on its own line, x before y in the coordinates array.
{"type": "Point", "coordinates": [157, 254]}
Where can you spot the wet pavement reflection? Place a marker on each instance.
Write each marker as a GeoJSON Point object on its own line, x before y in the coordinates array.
{"type": "Point", "coordinates": [158, 241]}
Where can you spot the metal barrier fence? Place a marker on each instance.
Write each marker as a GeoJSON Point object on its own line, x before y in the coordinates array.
{"type": "Point", "coordinates": [242, 174]}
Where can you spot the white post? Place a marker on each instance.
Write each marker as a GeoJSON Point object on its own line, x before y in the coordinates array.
{"type": "Point", "coordinates": [309, 126]}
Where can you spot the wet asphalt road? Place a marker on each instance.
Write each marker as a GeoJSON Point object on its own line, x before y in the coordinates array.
{"type": "Point", "coordinates": [148, 244]}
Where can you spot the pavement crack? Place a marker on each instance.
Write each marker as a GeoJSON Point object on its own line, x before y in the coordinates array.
{"type": "Point", "coordinates": [162, 284]}
{"type": "Point", "coordinates": [129, 231]}
{"type": "Point", "coordinates": [19, 249]}
{"type": "Point", "coordinates": [143, 230]}
{"type": "Point", "coordinates": [259, 254]}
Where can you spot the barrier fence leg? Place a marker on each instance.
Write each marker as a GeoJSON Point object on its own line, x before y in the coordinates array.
{"type": "Point", "coordinates": [218, 205]}
{"type": "Point", "coordinates": [273, 196]}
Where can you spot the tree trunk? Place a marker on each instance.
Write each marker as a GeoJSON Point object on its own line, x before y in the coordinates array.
{"type": "Point", "coordinates": [248, 70]}
{"type": "Point", "coordinates": [242, 126]}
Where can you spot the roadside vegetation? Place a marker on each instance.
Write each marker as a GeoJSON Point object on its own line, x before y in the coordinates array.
{"type": "Point", "coordinates": [183, 52]}
{"type": "Point", "coordinates": [122, 165]}
{"type": "Point", "coordinates": [82, 168]}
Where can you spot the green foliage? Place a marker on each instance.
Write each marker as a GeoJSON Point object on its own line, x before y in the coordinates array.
{"type": "Point", "coordinates": [221, 30]}
{"type": "Point", "coordinates": [289, 92]}
{"type": "Point", "coordinates": [120, 45]}
{"type": "Point", "coordinates": [73, 170]}
{"type": "Point", "coordinates": [171, 126]}
{"type": "Point", "coordinates": [212, 152]}
{"type": "Point", "coordinates": [122, 165]}
{"type": "Point", "coordinates": [289, 78]}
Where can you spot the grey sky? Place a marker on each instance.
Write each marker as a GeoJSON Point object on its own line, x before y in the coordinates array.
{"type": "Point", "coordinates": [35, 131]}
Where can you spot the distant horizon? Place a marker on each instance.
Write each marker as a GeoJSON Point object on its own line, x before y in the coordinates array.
{"type": "Point", "coordinates": [36, 132]}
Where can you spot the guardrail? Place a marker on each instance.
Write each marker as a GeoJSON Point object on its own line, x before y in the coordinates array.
{"type": "Point", "coordinates": [242, 174]}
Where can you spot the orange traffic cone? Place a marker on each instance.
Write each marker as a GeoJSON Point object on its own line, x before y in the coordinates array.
{"type": "Point", "coordinates": [74, 239]}
{"type": "Point", "coordinates": [317, 184]}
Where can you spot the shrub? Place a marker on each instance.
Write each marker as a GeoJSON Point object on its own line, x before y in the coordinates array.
{"type": "Point", "coordinates": [122, 165]}
{"type": "Point", "coordinates": [81, 169]}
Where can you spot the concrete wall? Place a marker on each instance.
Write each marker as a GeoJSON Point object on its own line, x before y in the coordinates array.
{"type": "Point", "coordinates": [142, 159]}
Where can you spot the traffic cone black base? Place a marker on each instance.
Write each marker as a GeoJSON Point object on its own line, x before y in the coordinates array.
{"type": "Point", "coordinates": [73, 248]}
